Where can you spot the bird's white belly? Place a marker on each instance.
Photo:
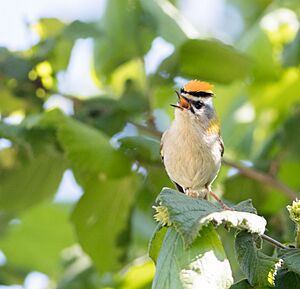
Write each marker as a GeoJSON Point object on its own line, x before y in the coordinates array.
{"type": "Point", "coordinates": [192, 162]}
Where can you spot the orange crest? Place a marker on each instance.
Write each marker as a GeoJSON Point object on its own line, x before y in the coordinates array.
{"type": "Point", "coordinates": [197, 85]}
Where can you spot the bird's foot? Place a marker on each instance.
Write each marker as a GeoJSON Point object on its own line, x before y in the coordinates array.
{"type": "Point", "coordinates": [224, 206]}
{"type": "Point", "coordinates": [191, 193]}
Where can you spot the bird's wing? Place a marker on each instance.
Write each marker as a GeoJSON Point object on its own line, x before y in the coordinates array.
{"type": "Point", "coordinates": [162, 146]}
{"type": "Point", "coordinates": [179, 188]}
{"type": "Point", "coordinates": [221, 145]}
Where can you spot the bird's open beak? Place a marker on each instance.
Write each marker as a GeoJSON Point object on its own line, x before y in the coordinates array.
{"type": "Point", "coordinates": [182, 102]}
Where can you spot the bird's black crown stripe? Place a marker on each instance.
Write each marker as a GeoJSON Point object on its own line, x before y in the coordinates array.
{"type": "Point", "coordinates": [197, 93]}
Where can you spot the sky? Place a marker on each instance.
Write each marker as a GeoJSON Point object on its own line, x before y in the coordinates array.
{"type": "Point", "coordinates": [15, 15]}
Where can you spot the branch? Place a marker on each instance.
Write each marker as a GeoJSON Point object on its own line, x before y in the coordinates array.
{"type": "Point", "coordinates": [263, 178]}
{"type": "Point", "coordinates": [273, 241]}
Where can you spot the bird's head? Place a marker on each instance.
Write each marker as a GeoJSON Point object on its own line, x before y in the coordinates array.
{"type": "Point", "coordinates": [196, 98]}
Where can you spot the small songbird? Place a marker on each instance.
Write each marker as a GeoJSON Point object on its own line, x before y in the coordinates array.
{"type": "Point", "coordinates": [192, 148]}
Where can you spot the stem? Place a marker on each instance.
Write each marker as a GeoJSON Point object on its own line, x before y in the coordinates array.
{"type": "Point", "coordinates": [273, 241]}
{"type": "Point", "coordinates": [297, 239]}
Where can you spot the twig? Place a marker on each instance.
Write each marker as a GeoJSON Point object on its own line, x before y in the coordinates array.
{"type": "Point", "coordinates": [273, 241]}
{"type": "Point", "coordinates": [263, 178]}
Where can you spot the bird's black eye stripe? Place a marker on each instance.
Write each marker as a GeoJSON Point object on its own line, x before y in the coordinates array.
{"type": "Point", "coordinates": [197, 104]}
{"type": "Point", "coordinates": [200, 93]}
{"type": "Point", "coordinates": [197, 93]}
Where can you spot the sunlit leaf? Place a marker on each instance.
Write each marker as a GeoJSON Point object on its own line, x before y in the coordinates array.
{"type": "Point", "coordinates": [256, 44]}
{"type": "Point", "coordinates": [138, 276]}
{"type": "Point", "coordinates": [209, 60]}
{"type": "Point", "coordinates": [9, 102]}
{"type": "Point", "coordinates": [48, 27]}
{"type": "Point", "coordinates": [204, 264]}
{"type": "Point", "coordinates": [212, 60]}
{"type": "Point", "coordinates": [156, 242]}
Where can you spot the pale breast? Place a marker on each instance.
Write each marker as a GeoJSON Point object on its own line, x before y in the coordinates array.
{"type": "Point", "coordinates": [191, 158]}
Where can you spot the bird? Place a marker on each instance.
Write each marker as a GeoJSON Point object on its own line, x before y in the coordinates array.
{"type": "Point", "coordinates": [192, 147]}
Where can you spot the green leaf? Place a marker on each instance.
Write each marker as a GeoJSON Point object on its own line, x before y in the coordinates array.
{"type": "Point", "coordinates": [257, 45]}
{"type": "Point", "coordinates": [273, 94]}
{"type": "Point", "coordinates": [141, 148]}
{"type": "Point", "coordinates": [212, 60]}
{"type": "Point", "coordinates": [31, 169]}
{"type": "Point", "coordinates": [124, 22]}
{"type": "Point", "coordinates": [13, 66]}
{"type": "Point", "coordinates": [13, 133]}
{"type": "Point", "coordinates": [8, 102]}
{"type": "Point", "coordinates": [291, 258]}
{"type": "Point", "coordinates": [156, 242]}
{"type": "Point", "coordinates": [103, 113]}
{"type": "Point", "coordinates": [167, 27]}
{"type": "Point", "coordinates": [287, 280]}
{"type": "Point", "coordinates": [259, 268]}
{"type": "Point", "coordinates": [203, 265]}
{"type": "Point", "coordinates": [89, 150]}
{"type": "Point", "coordinates": [30, 181]}
{"type": "Point", "coordinates": [111, 115]}
{"type": "Point", "coordinates": [79, 29]}
{"type": "Point", "coordinates": [290, 134]}
{"type": "Point", "coordinates": [34, 242]}
{"type": "Point", "coordinates": [284, 143]}
{"type": "Point", "coordinates": [49, 27]}
{"type": "Point", "coordinates": [291, 52]}
{"type": "Point", "coordinates": [190, 215]}
{"type": "Point", "coordinates": [101, 220]}
{"type": "Point", "coordinates": [58, 40]}
{"type": "Point", "coordinates": [245, 206]}
{"type": "Point", "coordinates": [244, 284]}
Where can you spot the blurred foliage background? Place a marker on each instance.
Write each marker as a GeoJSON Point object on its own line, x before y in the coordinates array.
{"type": "Point", "coordinates": [96, 234]}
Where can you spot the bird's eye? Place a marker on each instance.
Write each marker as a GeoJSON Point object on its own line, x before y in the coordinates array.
{"type": "Point", "coordinates": [198, 104]}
